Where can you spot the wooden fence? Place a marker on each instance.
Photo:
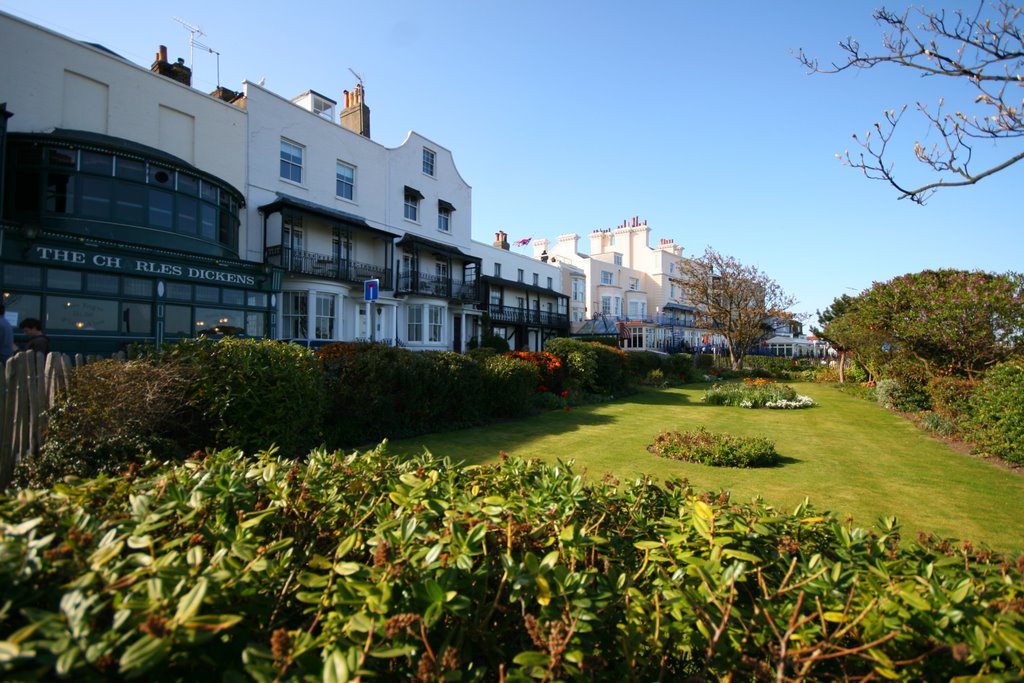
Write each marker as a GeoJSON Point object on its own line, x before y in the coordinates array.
{"type": "Point", "coordinates": [31, 383]}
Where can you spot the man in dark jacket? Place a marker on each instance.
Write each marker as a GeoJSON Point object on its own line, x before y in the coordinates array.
{"type": "Point", "coordinates": [37, 341]}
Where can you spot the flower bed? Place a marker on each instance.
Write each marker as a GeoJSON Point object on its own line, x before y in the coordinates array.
{"type": "Point", "coordinates": [756, 393]}
{"type": "Point", "coordinates": [717, 450]}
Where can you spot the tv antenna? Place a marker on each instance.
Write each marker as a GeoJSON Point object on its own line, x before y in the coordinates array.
{"type": "Point", "coordinates": [193, 32]}
{"type": "Point", "coordinates": [358, 77]}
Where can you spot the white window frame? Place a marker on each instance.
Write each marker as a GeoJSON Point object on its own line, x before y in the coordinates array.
{"type": "Point", "coordinates": [607, 277]}
{"type": "Point", "coordinates": [606, 305]}
{"type": "Point", "coordinates": [340, 182]}
{"type": "Point", "coordinates": [412, 208]}
{"type": "Point", "coordinates": [326, 305]}
{"type": "Point", "coordinates": [295, 314]}
{"type": "Point", "coordinates": [497, 270]}
{"type": "Point", "coordinates": [291, 163]}
{"type": "Point", "coordinates": [444, 219]}
{"type": "Point", "coordinates": [429, 162]}
{"type": "Point", "coordinates": [414, 315]}
{"type": "Point", "coordinates": [435, 324]}
{"type": "Point", "coordinates": [617, 259]}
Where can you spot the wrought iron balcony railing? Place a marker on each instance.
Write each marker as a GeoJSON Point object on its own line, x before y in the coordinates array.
{"type": "Point", "coordinates": [326, 266]}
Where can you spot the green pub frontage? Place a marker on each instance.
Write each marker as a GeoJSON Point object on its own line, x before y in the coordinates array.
{"type": "Point", "coordinates": [111, 243]}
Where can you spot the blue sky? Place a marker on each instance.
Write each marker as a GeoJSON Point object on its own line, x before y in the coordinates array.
{"type": "Point", "coordinates": [570, 116]}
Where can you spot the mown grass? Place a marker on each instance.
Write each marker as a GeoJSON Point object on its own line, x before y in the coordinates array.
{"type": "Point", "coordinates": [846, 455]}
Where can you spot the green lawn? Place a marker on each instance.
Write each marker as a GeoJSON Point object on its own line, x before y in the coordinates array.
{"type": "Point", "coordinates": [847, 455]}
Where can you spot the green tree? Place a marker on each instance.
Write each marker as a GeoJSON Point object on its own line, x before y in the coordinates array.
{"type": "Point", "coordinates": [838, 308]}
{"type": "Point", "coordinates": [734, 300]}
{"type": "Point", "coordinates": [980, 52]}
{"type": "Point", "coordinates": [951, 322]}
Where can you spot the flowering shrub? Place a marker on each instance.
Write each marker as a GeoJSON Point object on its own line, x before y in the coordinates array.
{"type": "Point", "coordinates": [756, 393]}
{"type": "Point", "coordinates": [716, 450]}
{"type": "Point", "coordinates": [594, 367]}
{"type": "Point", "coordinates": [548, 365]}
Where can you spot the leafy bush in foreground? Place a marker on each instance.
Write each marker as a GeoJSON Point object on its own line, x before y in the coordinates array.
{"type": "Point", "coordinates": [717, 450]}
{"type": "Point", "coordinates": [343, 567]}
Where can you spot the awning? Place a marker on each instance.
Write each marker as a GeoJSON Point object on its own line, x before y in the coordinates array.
{"type": "Point", "coordinates": [678, 307]}
{"type": "Point", "coordinates": [417, 243]}
{"type": "Point", "coordinates": [442, 204]}
{"type": "Point", "coordinates": [285, 201]}
{"type": "Point", "coordinates": [413, 192]}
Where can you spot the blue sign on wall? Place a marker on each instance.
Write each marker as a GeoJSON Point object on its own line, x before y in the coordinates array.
{"type": "Point", "coordinates": [371, 288]}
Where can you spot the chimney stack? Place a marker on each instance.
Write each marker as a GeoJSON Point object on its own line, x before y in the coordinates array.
{"type": "Point", "coordinates": [176, 72]}
{"type": "Point", "coordinates": [356, 115]}
{"type": "Point", "coordinates": [501, 240]}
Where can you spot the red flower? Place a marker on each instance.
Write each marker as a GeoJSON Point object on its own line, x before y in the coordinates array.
{"type": "Point", "coordinates": [567, 408]}
{"type": "Point", "coordinates": [542, 388]}
{"type": "Point", "coordinates": [564, 394]}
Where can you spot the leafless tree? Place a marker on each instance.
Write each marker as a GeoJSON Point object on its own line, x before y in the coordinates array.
{"type": "Point", "coordinates": [983, 51]}
{"type": "Point", "coordinates": [735, 301]}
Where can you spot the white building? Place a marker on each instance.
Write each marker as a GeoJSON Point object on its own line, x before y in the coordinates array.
{"type": "Point", "coordinates": [337, 209]}
{"type": "Point", "coordinates": [525, 301]}
{"type": "Point", "coordinates": [624, 287]}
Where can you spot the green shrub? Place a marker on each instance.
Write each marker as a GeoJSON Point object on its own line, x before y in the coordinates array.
{"type": "Point", "coordinates": [902, 395]}
{"type": "Point", "coordinates": [375, 391]}
{"type": "Point", "coordinates": [640, 364]}
{"type": "Point", "coordinates": [491, 341]}
{"type": "Point", "coordinates": [236, 567]}
{"type": "Point", "coordinates": [481, 353]}
{"type": "Point", "coordinates": [705, 362]}
{"type": "Point", "coordinates": [510, 386]}
{"type": "Point", "coordinates": [455, 384]}
{"type": "Point", "coordinates": [716, 450]}
{"type": "Point", "coordinates": [679, 367]}
{"type": "Point", "coordinates": [997, 412]}
{"type": "Point", "coordinates": [112, 415]}
{"type": "Point", "coordinates": [951, 395]}
{"type": "Point", "coordinates": [826, 374]}
{"type": "Point", "coordinates": [253, 393]}
{"type": "Point", "coordinates": [856, 373]}
{"type": "Point", "coordinates": [579, 359]}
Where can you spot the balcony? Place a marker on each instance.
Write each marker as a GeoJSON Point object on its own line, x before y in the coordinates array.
{"type": "Point", "coordinates": [326, 266]}
{"type": "Point", "coordinates": [526, 316]}
{"type": "Point", "coordinates": [430, 284]}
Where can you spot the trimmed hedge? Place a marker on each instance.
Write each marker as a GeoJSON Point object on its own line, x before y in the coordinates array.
{"type": "Point", "coordinates": [337, 567]}
{"type": "Point", "coordinates": [253, 392]}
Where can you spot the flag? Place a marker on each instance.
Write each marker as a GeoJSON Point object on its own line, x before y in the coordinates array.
{"type": "Point", "coordinates": [523, 242]}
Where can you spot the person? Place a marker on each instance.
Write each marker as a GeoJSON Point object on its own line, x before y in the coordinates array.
{"type": "Point", "coordinates": [6, 337]}
{"type": "Point", "coordinates": [37, 341]}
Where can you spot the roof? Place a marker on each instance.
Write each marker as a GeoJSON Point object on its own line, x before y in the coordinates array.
{"type": "Point", "coordinates": [417, 242]}
{"type": "Point", "coordinates": [84, 139]}
{"type": "Point", "coordinates": [285, 201]}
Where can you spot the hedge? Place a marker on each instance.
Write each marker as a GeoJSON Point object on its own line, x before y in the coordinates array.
{"type": "Point", "coordinates": [340, 567]}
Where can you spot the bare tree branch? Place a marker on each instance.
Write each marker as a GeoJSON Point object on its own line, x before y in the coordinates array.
{"type": "Point", "coordinates": [984, 50]}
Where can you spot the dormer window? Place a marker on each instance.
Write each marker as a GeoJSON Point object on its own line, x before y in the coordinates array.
{"type": "Point", "coordinates": [429, 159]}
{"type": "Point", "coordinates": [323, 107]}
